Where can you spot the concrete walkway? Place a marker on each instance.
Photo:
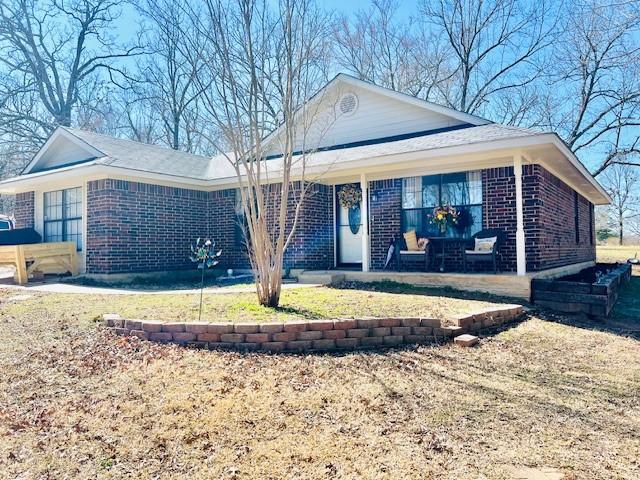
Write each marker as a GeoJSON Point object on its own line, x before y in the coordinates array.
{"type": "Point", "coordinates": [52, 286]}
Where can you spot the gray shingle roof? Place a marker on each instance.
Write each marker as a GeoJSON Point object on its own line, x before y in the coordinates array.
{"type": "Point", "coordinates": [466, 136]}
{"type": "Point", "coordinates": [155, 159]}
{"type": "Point", "coordinates": [144, 157]}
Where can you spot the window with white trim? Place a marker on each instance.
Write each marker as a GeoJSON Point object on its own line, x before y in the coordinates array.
{"type": "Point", "coordinates": [420, 195]}
{"type": "Point", "coordinates": [63, 216]}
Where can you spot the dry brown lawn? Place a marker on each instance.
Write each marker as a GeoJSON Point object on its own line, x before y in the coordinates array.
{"type": "Point", "coordinates": [77, 402]}
{"type": "Point", "coordinates": [383, 299]}
{"type": "Point", "coordinates": [613, 253]}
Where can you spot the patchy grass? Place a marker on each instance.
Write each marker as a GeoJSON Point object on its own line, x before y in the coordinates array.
{"type": "Point", "coordinates": [77, 402]}
{"type": "Point", "coordinates": [311, 302]}
{"type": "Point", "coordinates": [628, 305]}
{"type": "Point", "coordinates": [612, 253]}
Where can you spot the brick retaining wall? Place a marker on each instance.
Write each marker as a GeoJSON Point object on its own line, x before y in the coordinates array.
{"type": "Point", "coordinates": [314, 335]}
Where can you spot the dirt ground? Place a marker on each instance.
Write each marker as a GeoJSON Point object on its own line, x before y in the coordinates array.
{"type": "Point", "coordinates": [552, 393]}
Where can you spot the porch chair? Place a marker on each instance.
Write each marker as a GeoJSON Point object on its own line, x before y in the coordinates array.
{"type": "Point", "coordinates": [407, 247]}
{"type": "Point", "coordinates": [483, 247]}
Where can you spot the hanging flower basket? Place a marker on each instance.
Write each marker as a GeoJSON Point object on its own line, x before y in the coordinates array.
{"type": "Point", "coordinates": [350, 196]}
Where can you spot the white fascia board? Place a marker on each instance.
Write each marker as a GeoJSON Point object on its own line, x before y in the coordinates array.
{"type": "Point", "coordinates": [470, 156]}
{"type": "Point", "coordinates": [61, 132]}
{"type": "Point", "coordinates": [144, 176]}
{"type": "Point", "coordinates": [32, 181]}
{"type": "Point", "coordinates": [578, 164]}
{"type": "Point", "coordinates": [93, 171]}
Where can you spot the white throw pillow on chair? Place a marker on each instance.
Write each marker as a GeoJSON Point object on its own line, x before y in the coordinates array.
{"type": "Point", "coordinates": [484, 245]}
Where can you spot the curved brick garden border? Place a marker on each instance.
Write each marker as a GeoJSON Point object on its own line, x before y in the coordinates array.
{"type": "Point", "coordinates": [313, 335]}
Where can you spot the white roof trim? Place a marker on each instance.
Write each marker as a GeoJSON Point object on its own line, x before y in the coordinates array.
{"type": "Point", "coordinates": [557, 141]}
{"type": "Point", "coordinates": [64, 133]}
{"type": "Point", "coordinates": [383, 163]}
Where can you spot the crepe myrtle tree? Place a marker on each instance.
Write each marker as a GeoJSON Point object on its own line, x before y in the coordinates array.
{"type": "Point", "coordinates": [203, 253]}
{"type": "Point", "coordinates": [259, 62]}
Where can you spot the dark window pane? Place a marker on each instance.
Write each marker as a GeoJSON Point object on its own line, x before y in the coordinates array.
{"type": "Point", "coordinates": [430, 190]}
{"type": "Point", "coordinates": [454, 189]}
{"type": "Point", "coordinates": [63, 216]}
{"type": "Point", "coordinates": [462, 190]}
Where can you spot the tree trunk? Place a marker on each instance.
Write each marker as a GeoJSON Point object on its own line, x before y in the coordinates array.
{"type": "Point", "coordinates": [269, 288]}
{"type": "Point", "coordinates": [621, 225]}
{"type": "Point", "coordinates": [176, 133]}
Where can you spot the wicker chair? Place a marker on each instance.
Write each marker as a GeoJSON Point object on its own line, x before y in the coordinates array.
{"type": "Point", "coordinates": [403, 255]}
{"type": "Point", "coordinates": [472, 256]}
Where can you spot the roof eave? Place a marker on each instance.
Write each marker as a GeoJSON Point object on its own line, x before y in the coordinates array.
{"type": "Point", "coordinates": [559, 143]}
{"type": "Point", "coordinates": [61, 132]}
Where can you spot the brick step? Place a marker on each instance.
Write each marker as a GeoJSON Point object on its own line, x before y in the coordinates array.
{"type": "Point", "coordinates": [466, 340]}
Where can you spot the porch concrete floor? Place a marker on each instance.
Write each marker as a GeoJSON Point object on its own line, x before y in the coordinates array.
{"type": "Point", "coordinates": [503, 284]}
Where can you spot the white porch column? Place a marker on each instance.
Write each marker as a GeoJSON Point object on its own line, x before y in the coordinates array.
{"type": "Point", "coordinates": [521, 256]}
{"type": "Point", "coordinates": [364, 215]}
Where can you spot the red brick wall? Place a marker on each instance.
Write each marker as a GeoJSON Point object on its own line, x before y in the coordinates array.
{"type": "Point", "coordinates": [385, 212]}
{"type": "Point", "coordinates": [138, 227]}
{"type": "Point", "coordinates": [499, 208]}
{"type": "Point", "coordinates": [553, 241]}
{"type": "Point", "coordinates": [24, 210]}
{"type": "Point", "coordinates": [312, 243]}
{"type": "Point", "coordinates": [311, 247]}
{"type": "Point", "coordinates": [548, 218]}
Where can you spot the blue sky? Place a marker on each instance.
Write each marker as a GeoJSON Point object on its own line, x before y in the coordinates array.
{"type": "Point", "coordinates": [129, 24]}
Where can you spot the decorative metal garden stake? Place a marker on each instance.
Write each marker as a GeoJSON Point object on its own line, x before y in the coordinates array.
{"type": "Point", "coordinates": [204, 254]}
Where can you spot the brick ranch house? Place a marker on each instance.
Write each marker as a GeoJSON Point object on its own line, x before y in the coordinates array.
{"type": "Point", "coordinates": [134, 208]}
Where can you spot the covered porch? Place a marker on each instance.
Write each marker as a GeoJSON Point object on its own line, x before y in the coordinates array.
{"type": "Point", "coordinates": [487, 197]}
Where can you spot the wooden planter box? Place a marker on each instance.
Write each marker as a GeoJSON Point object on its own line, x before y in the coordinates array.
{"type": "Point", "coordinates": [571, 295]}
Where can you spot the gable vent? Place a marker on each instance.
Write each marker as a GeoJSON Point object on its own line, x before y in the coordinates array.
{"type": "Point", "coordinates": [348, 104]}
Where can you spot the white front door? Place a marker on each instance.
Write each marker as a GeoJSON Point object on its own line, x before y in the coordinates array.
{"type": "Point", "coordinates": [349, 243]}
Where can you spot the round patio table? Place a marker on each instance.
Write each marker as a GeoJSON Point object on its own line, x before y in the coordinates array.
{"type": "Point", "coordinates": [443, 241]}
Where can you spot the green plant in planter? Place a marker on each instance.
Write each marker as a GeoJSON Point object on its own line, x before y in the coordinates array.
{"type": "Point", "coordinates": [203, 253]}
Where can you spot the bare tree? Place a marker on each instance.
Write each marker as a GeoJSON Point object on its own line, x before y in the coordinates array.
{"type": "Point", "coordinates": [52, 53]}
{"type": "Point", "coordinates": [495, 46]}
{"type": "Point", "coordinates": [261, 66]}
{"type": "Point", "coordinates": [137, 119]}
{"type": "Point", "coordinates": [623, 185]}
{"type": "Point", "coordinates": [595, 80]}
{"type": "Point", "coordinates": [169, 74]}
{"type": "Point", "coordinates": [634, 227]}
{"type": "Point", "coordinates": [378, 47]}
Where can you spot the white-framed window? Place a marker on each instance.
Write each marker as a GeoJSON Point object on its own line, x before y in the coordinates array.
{"type": "Point", "coordinates": [420, 195]}
{"type": "Point", "coordinates": [63, 216]}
